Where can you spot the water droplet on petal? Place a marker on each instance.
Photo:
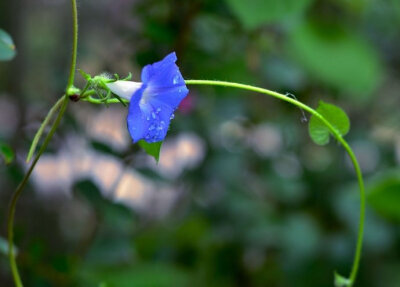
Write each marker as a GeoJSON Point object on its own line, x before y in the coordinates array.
{"type": "Point", "coordinates": [176, 79]}
{"type": "Point", "coordinates": [153, 115]}
{"type": "Point", "coordinates": [158, 110]}
{"type": "Point", "coordinates": [172, 117]}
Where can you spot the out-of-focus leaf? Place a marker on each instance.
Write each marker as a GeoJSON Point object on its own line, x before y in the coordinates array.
{"type": "Point", "coordinates": [7, 47]}
{"type": "Point", "coordinates": [253, 13]}
{"type": "Point", "coordinates": [355, 6]}
{"type": "Point", "coordinates": [384, 195]}
{"type": "Point", "coordinates": [152, 149]}
{"type": "Point", "coordinates": [337, 58]}
{"type": "Point", "coordinates": [319, 132]}
{"type": "Point", "coordinates": [207, 31]}
{"type": "Point", "coordinates": [4, 247]}
{"type": "Point", "coordinates": [115, 215]}
{"type": "Point", "coordinates": [341, 281]}
{"type": "Point", "coordinates": [7, 153]}
{"type": "Point", "coordinates": [149, 275]}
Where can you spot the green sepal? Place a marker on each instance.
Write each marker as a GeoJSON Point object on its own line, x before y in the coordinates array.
{"type": "Point", "coordinates": [152, 149]}
{"type": "Point", "coordinates": [86, 76]}
{"type": "Point", "coordinates": [128, 77]}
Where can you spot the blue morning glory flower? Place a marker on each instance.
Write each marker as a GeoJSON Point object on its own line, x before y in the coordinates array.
{"type": "Point", "coordinates": [152, 102]}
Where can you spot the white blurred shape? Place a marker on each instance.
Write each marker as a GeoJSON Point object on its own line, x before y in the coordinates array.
{"type": "Point", "coordinates": [105, 171]}
{"type": "Point", "coordinates": [266, 140]}
{"type": "Point", "coordinates": [76, 161]}
{"type": "Point", "coordinates": [53, 172]}
{"type": "Point", "coordinates": [230, 134]}
{"type": "Point", "coordinates": [133, 190]}
{"type": "Point", "coordinates": [184, 152]}
{"type": "Point", "coordinates": [107, 125]}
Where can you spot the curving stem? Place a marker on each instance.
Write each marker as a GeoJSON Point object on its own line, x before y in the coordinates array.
{"type": "Point", "coordinates": [295, 102]}
{"type": "Point", "coordinates": [335, 133]}
{"type": "Point", "coordinates": [64, 103]}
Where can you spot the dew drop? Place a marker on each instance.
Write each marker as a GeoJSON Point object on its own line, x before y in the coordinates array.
{"type": "Point", "coordinates": [158, 110]}
{"type": "Point", "coordinates": [172, 117]}
{"type": "Point", "coordinates": [153, 115]}
{"type": "Point", "coordinates": [175, 80]}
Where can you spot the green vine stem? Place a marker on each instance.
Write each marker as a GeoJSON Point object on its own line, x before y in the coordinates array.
{"type": "Point", "coordinates": [20, 188]}
{"type": "Point", "coordinates": [335, 133]}
{"type": "Point", "coordinates": [44, 124]}
{"type": "Point", "coordinates": [72, 67]}
{"type": "Point", "coordinates": [63, 101]}
{"type": "Point", "coordinates": [332, 129]}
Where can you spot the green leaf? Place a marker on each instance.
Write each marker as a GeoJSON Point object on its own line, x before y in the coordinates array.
{"type": "Point", "coordinates": [7, 153]}
{"type": "Point", "coordinates": [7, 47]}
{"type": "Point", "coordinates": [253, 13]}
{"type": "Point", "coordinates": [319, 132]}
{"type": "Point", "coordinates": [336, 57]}
{"type": "Point", "coordinates": [383, 195]}
{"type": "Point", "coordinates": [341, 281]}
{"type": "Point", "coordinates": [152, 149]}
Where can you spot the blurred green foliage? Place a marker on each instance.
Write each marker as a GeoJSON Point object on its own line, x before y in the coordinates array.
{"type": "Point", "coordinates": [264, 206]}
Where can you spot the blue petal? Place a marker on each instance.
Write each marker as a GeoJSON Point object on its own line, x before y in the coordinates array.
{"type": "Point", "coordinates": [158, 116]}
{"type": "Point", "coordinates": [170, 96]}
{"type": "Point", "coordinates": [148, 121]}
{"type": "Point", "coordinates": [136, 119]}
{"type": "Point", "coordinates": [152, 106]}
{"type": "Point", "coordinates": [163, 74]}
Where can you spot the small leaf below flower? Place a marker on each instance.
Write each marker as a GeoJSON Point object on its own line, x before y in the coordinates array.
{"type": "Point", "coordinates": [152, 149]}
{"type": "Point", "coordinates": [319, 132]}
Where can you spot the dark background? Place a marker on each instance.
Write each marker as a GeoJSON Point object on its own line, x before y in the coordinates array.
{"type": "Point", "coordinates": [242, 196]}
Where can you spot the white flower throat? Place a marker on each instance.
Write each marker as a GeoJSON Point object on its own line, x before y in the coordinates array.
{"type": "Point", "coordinates": [124, 89]}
